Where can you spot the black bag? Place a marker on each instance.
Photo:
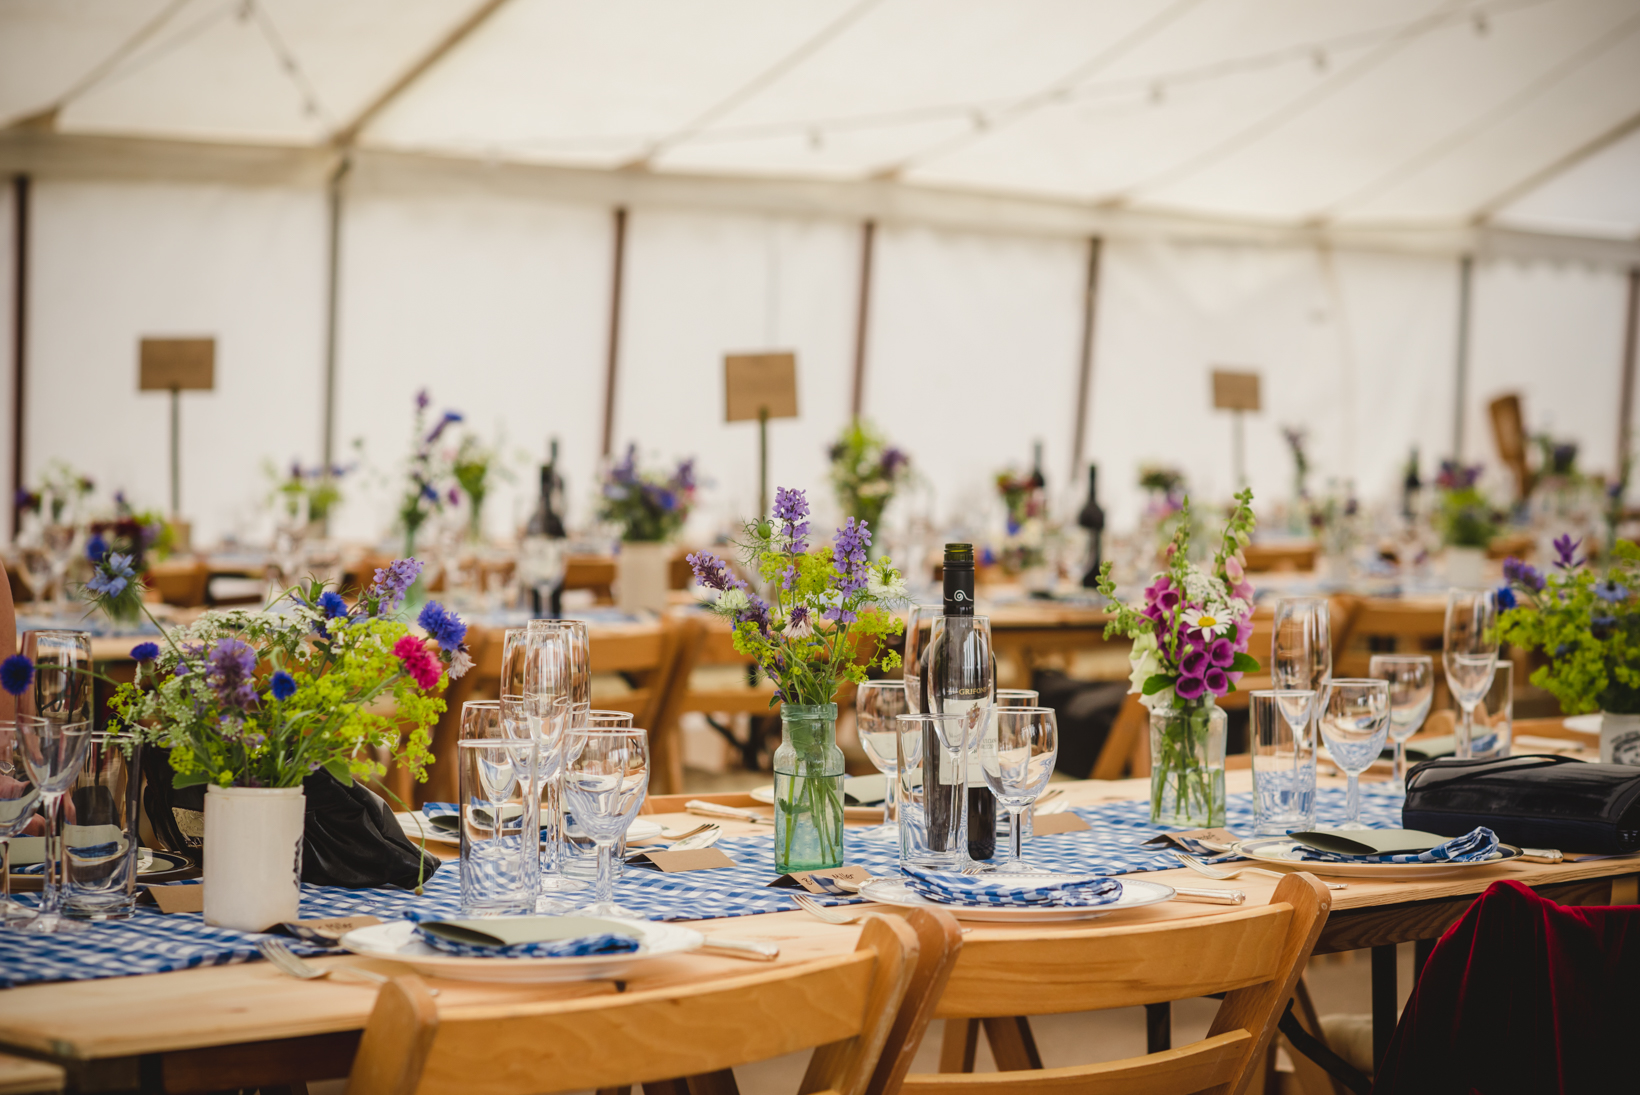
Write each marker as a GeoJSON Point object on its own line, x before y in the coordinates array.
{"type": "Point", "coordinates": [1530, 801]}
{"type": "Point", "coordinates": [350, 838]}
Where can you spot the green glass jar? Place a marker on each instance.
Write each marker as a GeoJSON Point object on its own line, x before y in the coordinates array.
{"type": "Point", "coordinates": [808, 790]}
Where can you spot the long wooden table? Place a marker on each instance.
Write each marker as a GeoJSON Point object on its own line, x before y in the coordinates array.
{"type": "Point", "coordinates": [249, 1025]}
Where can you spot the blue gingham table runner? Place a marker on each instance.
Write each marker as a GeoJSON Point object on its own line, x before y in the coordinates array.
{"type": "Point", "coordinates": [152, 942]}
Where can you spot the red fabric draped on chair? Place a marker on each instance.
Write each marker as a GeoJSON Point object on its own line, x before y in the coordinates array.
{"type": "Point", "coordinates": [1522, 995]}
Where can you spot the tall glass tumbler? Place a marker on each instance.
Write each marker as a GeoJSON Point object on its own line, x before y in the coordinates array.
{"type": "Point", "coordinates": [933, 834]}
{"type": "Point", "coordinates": [1283, 755]}
{"type": "Point", "coordinates": [101, 816]}
{"type": "Point", "coordinates": [499, 859]}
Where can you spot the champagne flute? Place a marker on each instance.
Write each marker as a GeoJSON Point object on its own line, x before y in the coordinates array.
{"type": "Point", "coordinates": [548, 703]}
{"type": "Point", "coordinates": [606, 775]}
{"type": "Point", "coordinates": [1017, 756]}
{"type": "Point", "coordinates": [1411, 680]}
{"type": "Point", "coordinates": [1354, 722]}
{"type": "Point", "coordinates": [53, 751]}
{"type": "Point", "coordinates": [578, 655]}
{"type": "Point", "coordinates": [1470, 653]}
{"type": "Point", "coordinates": [917, 627]}
{"type": "Point", "coordinates": [1301, 652]}
{"type": "Point", "coordinates": [18, 796]}
{"type": "Point", "coordinates": [877, 704]}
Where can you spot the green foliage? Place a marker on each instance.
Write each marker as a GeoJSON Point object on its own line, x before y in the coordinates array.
{"type": "Point", "coordinates": [866, 471]}
{"type": "Point", "coordinates": [1588, 625]}
{"type": "Point", "coordinates": [1466, 518]}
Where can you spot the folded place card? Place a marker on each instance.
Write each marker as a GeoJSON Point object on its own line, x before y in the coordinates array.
{"type": "Point", "coordinates": [327, 930]}
{"type": "Point", "coordinates": [692, 859]}
{"type": "Point", "coordinates": [1370, 841]}
{"type": "Point", "coordinates": [865, 790]}
{"type": "Point", "coordinates": [510, 931]}
{"type": "Point", "coordinates": [181, 897]}
{"type": "Point", "coordinates": [1048, 824]}
{"type": "Point", "coordinates": [1191, 840]}
{"type": "Point", "coordinates": [818, 881]}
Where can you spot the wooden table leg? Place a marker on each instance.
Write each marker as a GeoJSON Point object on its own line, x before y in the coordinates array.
{"type": "Point", "coordinates": [958, 1045]}
{"type": "Point", "coordinates": [1012, 1045]}
{"type": "Point", "coordinates": [1385, 998]}
{"type": "Point", "coordinates": [1158, 1027]}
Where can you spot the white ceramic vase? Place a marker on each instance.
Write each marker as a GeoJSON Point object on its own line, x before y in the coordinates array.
{"type": "Point", "coordinates": [253, 856]}
{"type": "Point", "coordinates": [1619, 738]}
{"type": "Point", "coordinates": [1466, 567]}
{"type": "Point", "coordinates": [641, 579]}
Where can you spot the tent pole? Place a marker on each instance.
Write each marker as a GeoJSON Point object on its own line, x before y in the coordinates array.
{"type": "Point", "coordinates": [1084, 367]}
{"type": "Point", "coordinates": [333, 276]}
{"type": "Point", "coordinates": [862, 318]}
{"type": "Point", "coordinates": [1466, 277]}
{"type": "Point", "coordinates": [19, 334]}
{"type": "Point", "coordinates": [616, 291]}
{"type": "Point", "coordinates": [1625, 403]}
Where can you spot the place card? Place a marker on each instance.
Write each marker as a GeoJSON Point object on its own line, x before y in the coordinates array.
{"type": "Point", "coordinates": [691, 859]}
{"type": "Point", "coordinates": [1370, 841]}
{"type": "Point", "coordinates": [1191, 840]}
{"type": "Point", "coordinates": [326, 930]}
{"type": "Point", "coordinates": [179, 898]}
{"type": "Point", "coordinates": [1063, 822]}
{"type": "Point", "coordinates": [814, 881]}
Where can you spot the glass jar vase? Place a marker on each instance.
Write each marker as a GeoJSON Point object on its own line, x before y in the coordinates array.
{"type": "Point", "coordinates": [1187, 764]}
{"type": "Point", "coordinates": [808, 789]}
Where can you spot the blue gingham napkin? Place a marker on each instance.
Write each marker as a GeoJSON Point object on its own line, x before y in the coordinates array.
{"type": "Point", "coordinates": [1016, 891]}
{"type": "Point", "coordinates": [1479, 844]}
{"type": "Point", "coordinates": [581, 947]}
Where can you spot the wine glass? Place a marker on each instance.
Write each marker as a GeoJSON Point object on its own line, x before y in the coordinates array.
{"type": "Point", "coordinates": [1354, 722]}
{"type": "Point", "coordinates": [546, 699]}
{"type": "Point", "coordinates": [1411, 680]}
{"type": "Point", "coordinates": [61, 689]}
{"type": "Point", "coordinates": [1301, 650]}
{"type": "Point", "coordinates": [18, 796]}
{"type": "Point", "coordinates": [53, 751]}
{"type": "Point", "coordinates": [606, 773]}
{"type": "Point", "coordinates": [876, 705]}
{"type": "Point", "coordinates": [609, 720]}
{"type": "Point", "coordinates": [1470, 653]}
{"type": "Point", "coordinates": [917, 627]}
{"type": "Point", "coordinates": [1017, 755]}
{"type": "Point", "coordinates": [1019, 697]}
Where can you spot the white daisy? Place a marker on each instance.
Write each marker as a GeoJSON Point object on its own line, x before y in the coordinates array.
{"type": "Point", "coordinates": [1206, 623]}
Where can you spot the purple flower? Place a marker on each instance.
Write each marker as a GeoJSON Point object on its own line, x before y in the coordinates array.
{"type": "Point", "coordinates": [16, 674]}
{"type": "Point", "coordinates": [392, 583]}
{"type": "Point", "coordinates": [1523, 574]}
{"type": "Point", "coordinates": [230, 671]}
{"type": "Point", "coordinates": [442, 625]}
{"type": "Point", "coordinates": [849, 560]}
{"type": "Point", "coordinates": [1222, 653]}
{"type": "Point", "coordinates": [145, 652]}
{"type": "Point", "coordinates": [332, 604]}
{"type": "Point", "coordinates": [712, 572]}
{"type": "Point", "coordinates": [1217, 683]}
{"type": "Point", "coordinates": [685, 477]}
{"type": "Point", "coordinates": [113, 574]}
{"type": "Point", "coordinates": [799, 616]}
{"type": "Point", "coordinates": [422, 399]}
{"type": "Point", "coordinates": [1189, 688]}
{"type": "Point", "coordinates": [791, 508]}
{"type": "Point", "coordinates": [1456, 476]}
{"type": "Point", "coordinates": [455, 496]}
{"type": "Point", "coordinates": [1193, 664]}
{"type": "Point", "coordinates": [893, 460]}
{"type": "Point", "coordinates": [96, 548]}
{"type": "Point", "coordinates": [450, 417]}
{"type": "Point", "coordinates": [1566, 552]}
{"type": "Point", "coordinates": [755, 613]}
{"type": "Point", "coordinates": [1506, 598]}
{"type": "Point", "coordinates": [283, 685]}
{"type": "Point", "coordinates": [1610, 592]}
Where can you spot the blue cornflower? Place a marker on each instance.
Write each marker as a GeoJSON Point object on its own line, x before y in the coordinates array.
{"type": "Point", "coordinates": [96, 548]}
{"type": "Point", "coordinates": [113, 574]}
{"type": "Point", "coordinates": [283, 685]}
{"type": "Point", "coordinates": [444, 423]}
{"type": "Point", "coordinates": [442, 625]}
{"type": "Point", "coordinates": [16, 674]}
{"type": "Point", "coordinates": [332, 604]}
{"type": "Point", "coordinates": [1506, 598]}
{"type": "Point", "coordinates": [392, 583]}
{"type": "Point", "coordinates": [1610, 592]}
{"type": "Point", "coordinates": [145, 652]}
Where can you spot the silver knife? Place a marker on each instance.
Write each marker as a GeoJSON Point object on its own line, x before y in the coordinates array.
{"type": "Point", "coordinates": [1211, 897]}
{"type": "Point", "coordinates": [756, 950]}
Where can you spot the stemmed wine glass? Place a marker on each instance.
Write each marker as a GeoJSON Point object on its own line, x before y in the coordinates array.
{"type": "Point", "coordinates": [1470, 653]}
{"type": "Point", "coordinates": [606, 774]}
{"type": "Point", "coordinates": [1411, 680]}
{"type": "Point", "coordinates": [1301, 652]}
{"type": "Point", "coordinates": [53, 751]}
{"type": "Point", "coordinates": [1018, 697]}
{"type": "Point", "coordinates": [18, 796]}
{"type": "Point", "coordinates": [876, 705]}
{"type": "Point", "coordinates": [917, 627]}
{"type": "Point", "coordinates": [1354, 722]}
{"type": "Point", "coordinates": [1017, 756]}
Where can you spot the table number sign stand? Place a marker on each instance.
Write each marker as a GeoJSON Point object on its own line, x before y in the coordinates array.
{"type": "Point", "coordinates": [760, 387]}
{"type": "Point", "coordinates": [176, 365]}
{"type": "Point", "coordinates": [1236, 392]}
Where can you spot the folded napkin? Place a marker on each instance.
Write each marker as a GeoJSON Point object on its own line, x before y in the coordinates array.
{"type": "Point", "coordinates": [525, 937]}
{"type": "Point", "coordinates": [1012, 890]}
{"type": "Point", "coordinates": [1472, 846]}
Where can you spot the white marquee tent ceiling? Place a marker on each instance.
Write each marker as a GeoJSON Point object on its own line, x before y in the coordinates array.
{"type": "Point", "coordinates": [1385, 115]}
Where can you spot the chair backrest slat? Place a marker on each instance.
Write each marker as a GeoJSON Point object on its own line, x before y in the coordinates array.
{"type": "Point", "coordinates": [1196, 1067]}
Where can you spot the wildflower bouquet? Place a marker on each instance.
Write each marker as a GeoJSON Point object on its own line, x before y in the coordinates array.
{"type": "Point", "coordinates": [425, 472]}
{"type": "Point", "coordinates": [649, 506]}
{"type": "Point", "coordinates": [1189, 648]}
{"type": "Point", "coordinates": [866, 471]}
{"type": "Point", "coordinates": [262, 699]}
{"type": "Point", "coordinates": [473, 464]}
{"type": "Point", "coordinates": [1024, 499]}
{"type": "Point", "coordinates": [1587, 623]}
{"type": "Point", "coordinates": [323, 492]}
{"type": "Point", "coordinates": [1465, 518]}
{"type": "Point", "coordinates": [824, 602]}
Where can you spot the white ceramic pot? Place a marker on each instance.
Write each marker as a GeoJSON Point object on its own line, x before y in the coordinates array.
{"type": "Point", "coordinates": [641, 578]}
{"type": "Point", "coordinates": [253, 856]}
{"type": "Point", "coordinates": [1466, 567]}
{"type": "Point", "coordinates": [1619, 738]}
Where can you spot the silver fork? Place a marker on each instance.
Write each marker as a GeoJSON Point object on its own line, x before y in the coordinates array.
{"type": "Point", "coordinates": [824, 912]}
{"type": "Point", "coordinates": [287, 962]}
{"type": "Point", "coordinates": [1224, 876]}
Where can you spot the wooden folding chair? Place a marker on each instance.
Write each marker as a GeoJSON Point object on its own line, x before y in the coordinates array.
{"type": "Point", "coordinates": [1376, 625]}
{"type": "Point", "coordinates": [594, 572]}
{"type": "Point", "coordinates": [844, 1006]}
{"type": "Point", "coordinates": [1254, 956]}
{"type": "Point", "coordinates": [180, 582]}
{"type": "Point", "coordinates": [711, 678]}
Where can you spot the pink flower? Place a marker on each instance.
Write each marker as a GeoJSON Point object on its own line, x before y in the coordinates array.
{"type": "Point", "coordinates": [1194, 664]}
{"type": "Point", "coordinates": [418, 662]}
{"type": "Point", "coordinates": [1217, 681]}
{"type": "Point", "coordinates": [1189, 688]}
{"type": "Point", "coordinates": [1221, 653]}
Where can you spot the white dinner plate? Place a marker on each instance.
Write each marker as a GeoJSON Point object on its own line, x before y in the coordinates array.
{"type": "Point", "coordinates": [1584, 724]}
{"type": "Point", "coordinates": [1278, 851]}
{"type": "Point", "coordinates": [1135, 893]}
{"type": "Point", "coordinates": [397, 942]}
{"type": "Point", "coordinates": [416, 826]}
